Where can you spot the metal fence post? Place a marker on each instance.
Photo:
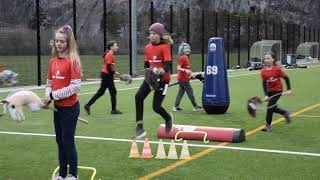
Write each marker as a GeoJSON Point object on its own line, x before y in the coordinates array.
{"type": "Point", "coordinates": [104, 25]}
{"type": "Point", "coordinates": [38, 42]}
{"type": "Point", "coordinates": [258, 29]}
{"type": "Point", "coordinates": [239, 29]}
{"type": "Point", "coordinates": [273, 30]}
{"type": "Point", "coordinates": [151, 13]}
{"type": "Point", "coordinates": [299, 35]}
{"type": "Point", "coordinates": [304, 34]}
{"type": "Point", "coordinates": [74, 12]}
{"type": "Point", "coordinates": [202, 40]}
{"type": "Point", "coordinates": [293, 37]}
{"type": "Point", "coordinates": [171, 29]}
{"type": "Point", "coordinates": [266, 27]}
{"type": "Point", "coordinates": [188, 27]}
{"type": "Point", "coordinates": [248, 43]}
{"type": "Point", "coordinates": [216, 21]}
{"type": "Point", "coordinates": [228, 43]}
{"type": "Point", "coordinates": [130, 37]}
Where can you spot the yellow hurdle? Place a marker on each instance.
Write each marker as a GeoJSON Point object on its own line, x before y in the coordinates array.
{"type": "Point", "coordinates": [94, 171]}
{"type": "Point", "coordinates": [195, 132]}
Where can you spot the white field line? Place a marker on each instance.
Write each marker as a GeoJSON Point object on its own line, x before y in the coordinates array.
{"type": "Point", "coordinates": [137, 87]}
{"type": "Point", "coordinates": [122, 89]}
{"type": "Point", "coordinates": [168, 143]}
{"type": "Point", "coordinates": [5, 90]}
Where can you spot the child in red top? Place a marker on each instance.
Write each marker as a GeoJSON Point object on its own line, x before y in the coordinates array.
{"type": "Point", "coordinates": [107, 77]}
{"type": "Point", "coordinates": [271, 75]}
{"type": "Point", "coordinates": [183, 77]}
{"type": "Point", "coordinates": [157, 55]}
{"type": "Point", "coordinates": [63, 84]}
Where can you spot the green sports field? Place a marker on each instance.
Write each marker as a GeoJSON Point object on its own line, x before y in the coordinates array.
{"type": "Point", "coordinates": [104, 143]}
{"type": "Point", "coordinates": [26, 66]}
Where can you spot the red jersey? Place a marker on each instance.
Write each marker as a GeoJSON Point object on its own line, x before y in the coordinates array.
{"type": "Point", "coordinates": [108, 59]}
{"type": "Point", "coordinates": [157, 55]}
{"type": "Point", "coordinates": [185, 64]}
{"type": "Point", "coordinates": [273, 78]}
{"type": "Point", "coordinates": [61, 73]}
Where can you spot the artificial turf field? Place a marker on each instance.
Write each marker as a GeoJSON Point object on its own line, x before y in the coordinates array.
{"type": "Point", "coordinates": [26, 157]}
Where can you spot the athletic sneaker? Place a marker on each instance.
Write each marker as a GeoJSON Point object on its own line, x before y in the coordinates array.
{"type": "Point", "coordinates": [169, 124]}
{"type": "Point", "coordinates": [57, 178]}
{"type": "Point", "coordinates": [71, 177]}
{"type": "Point", "coordinates": [267, 128]}
{"type": "Point", "coordinates": [87, 109]}
{"type": "Point", "coordinates": [140, 133]}
{"type": "Point", "coordinates": [175, 109]}
{"type": "Point", "coordinates": [116, 112]}
{"type": "Point", "coordinates": [287, 116]}
{"type": "Point", "coordinates": [197, 108]}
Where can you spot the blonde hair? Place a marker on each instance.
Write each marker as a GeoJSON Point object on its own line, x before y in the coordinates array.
{"type": "Point", "coordinates": [73, 53]}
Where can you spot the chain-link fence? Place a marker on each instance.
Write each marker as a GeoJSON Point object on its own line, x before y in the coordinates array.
{"type": "Point", "coordinates": [25, 37]}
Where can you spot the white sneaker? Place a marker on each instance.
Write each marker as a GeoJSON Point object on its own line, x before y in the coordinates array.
{"type": "Point", "coordinates": [197, 108]}
{"type": "Point", "coordinates": [176, 109]}
{"type": "Point", "coordinates": [70, 177]}
{"type": "Point", "coordinates": [57, 178]}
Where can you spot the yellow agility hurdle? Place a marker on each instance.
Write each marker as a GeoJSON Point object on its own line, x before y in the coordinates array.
{"type": "Point", "coordinates": [195, 132]}
{"type": "Point", "coordinates": [94, 171]}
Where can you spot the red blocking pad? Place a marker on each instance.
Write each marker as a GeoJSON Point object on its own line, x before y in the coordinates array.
{"type": "Point", "coordinates": [203, 133]}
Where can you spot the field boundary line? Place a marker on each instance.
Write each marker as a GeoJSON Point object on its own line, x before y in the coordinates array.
{"type": "Point", "coordinates": [168, 143]}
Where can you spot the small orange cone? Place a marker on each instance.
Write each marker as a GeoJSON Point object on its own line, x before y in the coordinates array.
{"type": "Point", "coordinates": [161, 153]}
{"type": "Point", "coordinates": [172, 151]}
{"type": "Point", "coordinates": [185, 151]}
{"type": "Point", "coordinates": [134, 152]}
{"type": "Point", "coordinates": [146, 153]}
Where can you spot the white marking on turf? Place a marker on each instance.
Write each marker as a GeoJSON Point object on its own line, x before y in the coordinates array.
{"type": "Point", "coordinates": [168, 143]}
{"type": "Point", "coordinates": [5, 90]}
{"type": "Point", "coordinates": [125, 89]}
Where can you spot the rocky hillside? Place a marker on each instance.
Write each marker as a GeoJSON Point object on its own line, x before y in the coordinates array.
{"type": "Point", "coordinates": [17, 18]}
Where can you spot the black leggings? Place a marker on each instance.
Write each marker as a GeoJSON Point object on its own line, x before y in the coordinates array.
{"type": "Point", "coordinates": [106, 82]}
{"type": "Point", "coordinates": [142, 93]}
{"type": "Point", "coordinates": [274, 108]}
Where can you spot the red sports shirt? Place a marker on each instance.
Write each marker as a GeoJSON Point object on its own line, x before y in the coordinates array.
{"type": "Point", "coordinates": [185, 64]}
{"type": "Point", "coordinates": [157, 55]}
{"type": "Point", "coordinates": [108, 59]}
{"type": "Point", "coordinates": [273, 78]}
{"type": "Point", "coordinates": [61, 73]}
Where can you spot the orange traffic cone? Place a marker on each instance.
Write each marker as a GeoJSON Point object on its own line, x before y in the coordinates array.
{"type": "Point", "coordinates": [185, 151]}
{"type": "Point", "coordinates": [146, 153]}
{"type": "Point", "coordinates": [172, 154]}
{"type": "Point", "coordinates": [161, 154]}
{"type": "Point", "coordinates": [134, 152]}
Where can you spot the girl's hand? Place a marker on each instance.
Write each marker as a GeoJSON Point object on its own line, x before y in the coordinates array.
{"type": "Point", "coordinates": [266, 98]}
{"type": "Point", "coordinates": [187, 71]}
{"type": "Point", "coordinates": [46, 103]}
{"type": "Point", "coordinates": [286, 93]}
